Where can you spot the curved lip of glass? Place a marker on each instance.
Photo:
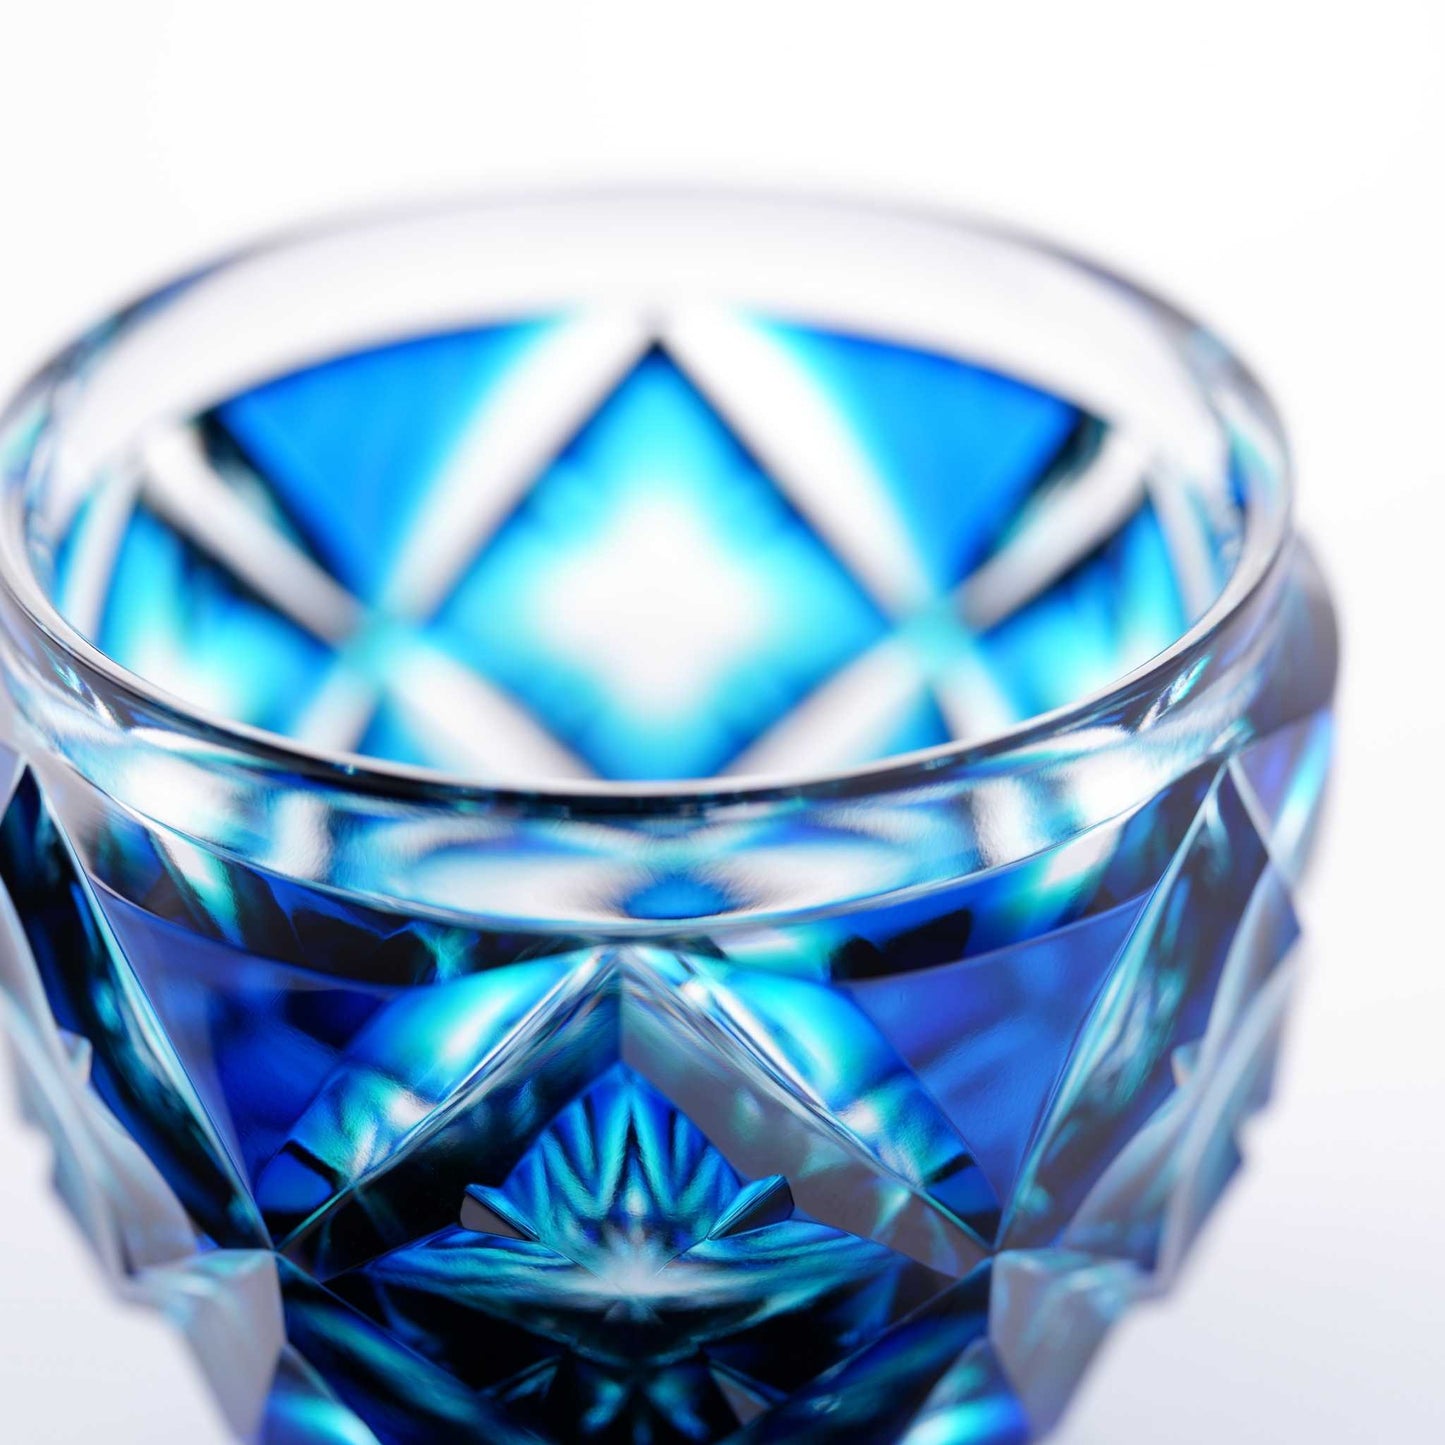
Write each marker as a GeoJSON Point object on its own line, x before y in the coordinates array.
{"type": "Point", "coordinates": [267, 752]}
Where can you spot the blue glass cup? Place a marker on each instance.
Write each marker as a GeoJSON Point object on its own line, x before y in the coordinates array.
{"type": "Point", "coordinates": [650, 818]}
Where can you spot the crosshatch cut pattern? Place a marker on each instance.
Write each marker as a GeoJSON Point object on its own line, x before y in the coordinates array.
{"type": "Point", "coordinates": [672, 574]}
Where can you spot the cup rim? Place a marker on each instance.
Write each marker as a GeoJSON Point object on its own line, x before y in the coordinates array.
{"type": "Point", "coordinates": [102, 684]}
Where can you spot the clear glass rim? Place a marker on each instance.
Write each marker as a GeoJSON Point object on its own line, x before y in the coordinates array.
{"type": "Point", "coordinates": [97, 675]}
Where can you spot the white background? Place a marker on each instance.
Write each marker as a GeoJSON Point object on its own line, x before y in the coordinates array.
{"type": "Point", "coordinates": [1278, 167]}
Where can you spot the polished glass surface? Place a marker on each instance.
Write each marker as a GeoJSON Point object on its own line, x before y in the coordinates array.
{"type": "Point", "coordinates": [685, 838]}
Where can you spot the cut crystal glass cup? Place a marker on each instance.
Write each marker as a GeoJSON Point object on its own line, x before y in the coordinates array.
{"type": "Point", "coordinates": [652, 817]}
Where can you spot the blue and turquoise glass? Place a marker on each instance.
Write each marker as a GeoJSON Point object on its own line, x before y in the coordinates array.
{"type": "Point", "coordinates": [646, 820]}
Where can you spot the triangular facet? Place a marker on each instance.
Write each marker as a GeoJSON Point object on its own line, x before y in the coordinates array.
{"type": "Point", "coordinates": [487, 1211]}
{"type": "Point", "coordinates": [1158, 999]}
{"type": "Point", "coordinates": [352, 447]}
{"type": "Point", "coordinates": [989, 1037]}
{"type": "Point", "coordinates": [188, 626]}
{"type": "Point", "coordinates": [958, 447]}
{"type": "Point", "coordinates": [1115, 609]}
{"type": "Point", "coordinates": [1285, 773]}
{"type": "Point", "coordinates": [93, 992]}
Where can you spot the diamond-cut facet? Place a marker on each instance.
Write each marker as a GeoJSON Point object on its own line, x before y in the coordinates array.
{"type": "Point", "coordinates": [655, 599]}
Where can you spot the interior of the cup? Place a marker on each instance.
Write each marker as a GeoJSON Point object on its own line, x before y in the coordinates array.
{"type": "Point", "coordinates": [638, 542]}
